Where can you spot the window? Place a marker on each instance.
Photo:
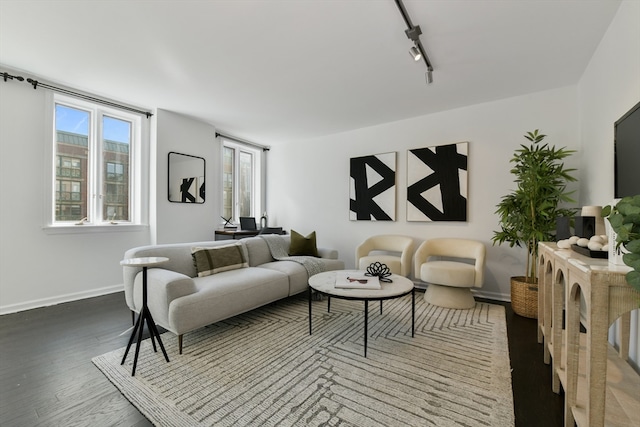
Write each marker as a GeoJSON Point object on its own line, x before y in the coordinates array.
{"type": "Point", "coordinates": [241, 180]}
{"type": "Point", "coordinates": [94, 153]}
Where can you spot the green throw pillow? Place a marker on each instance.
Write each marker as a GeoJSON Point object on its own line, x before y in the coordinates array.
{"type": "Point", "coordinates": [303, 245]}
{"type": "Point", "coordinates": [214, 260]}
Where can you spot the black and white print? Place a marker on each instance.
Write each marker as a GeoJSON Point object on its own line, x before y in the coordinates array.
{"type": "Point", "coordinates": [372, 191]}
{"type": "Point", "coordinates": [437, 183]}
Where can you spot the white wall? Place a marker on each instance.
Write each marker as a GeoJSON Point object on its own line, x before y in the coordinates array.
{"type": "Point", "coordinates": [185, 222]}
{"type": "Point", "coordinates": [309, 180]}
{"type": "Point", "coordinates": [39, 268]}
{"type": "Point", "coordinates": [609, 87]}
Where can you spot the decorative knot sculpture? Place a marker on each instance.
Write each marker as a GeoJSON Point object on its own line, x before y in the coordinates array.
{"type": "Point", "coordinates": [380, 270]}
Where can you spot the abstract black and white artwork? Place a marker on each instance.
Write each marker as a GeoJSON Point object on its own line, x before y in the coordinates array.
{"type": "Point", "coordinates": [201, 189]}
{"type": "Point", "coordinates": [437, 183]}
{"type": "Point", "coordinates": [189, 190]}
{"type": "Point", "coordinates": [372, 188]}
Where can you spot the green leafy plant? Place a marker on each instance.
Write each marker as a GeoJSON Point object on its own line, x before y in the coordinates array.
{"type": "Point", "coordinates": [624, 218]}
{"type": "Point", "coordinates": [528, 214]}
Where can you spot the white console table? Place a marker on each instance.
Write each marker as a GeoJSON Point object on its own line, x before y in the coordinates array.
{"type": "Point", "coordinates": [601, 388]}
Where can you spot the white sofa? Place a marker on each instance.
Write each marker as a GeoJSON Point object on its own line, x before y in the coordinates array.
{"type": "Point", "coordinates": [181, 302]}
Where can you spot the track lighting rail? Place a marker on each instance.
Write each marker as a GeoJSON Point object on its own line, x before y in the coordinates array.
{"type": "Point", "coordinates": [413, 33]}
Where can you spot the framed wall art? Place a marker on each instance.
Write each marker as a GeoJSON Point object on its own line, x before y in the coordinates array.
{"type": "Point", "coordinates": [437, 183]}
{"type": "Point", "coordinates": [372, 188]}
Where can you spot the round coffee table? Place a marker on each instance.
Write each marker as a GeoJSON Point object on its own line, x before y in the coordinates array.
{"type": "Point", "coordinates": [324, 283]}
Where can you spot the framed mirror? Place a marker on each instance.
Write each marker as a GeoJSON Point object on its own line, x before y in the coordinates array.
{"type": "Point", "coordinates": [186, 178]}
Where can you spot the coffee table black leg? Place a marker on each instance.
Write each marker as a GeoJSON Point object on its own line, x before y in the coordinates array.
{"type": "Point", "coordinates": [309, 309]}
{"type": "Point", "coordinates": [366, 325]}
{"type": "Point", "coordinates": [328, 304]}
{"type": "Point", "coordinates": [413, 311]}
{"type": "Point", "coordinates": [380, 306]}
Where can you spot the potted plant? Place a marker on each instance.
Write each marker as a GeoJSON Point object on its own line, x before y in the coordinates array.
{"type": "Point", "coordinates": [528, 214]}
{"type": "Point", "coordinates": [624, 218]}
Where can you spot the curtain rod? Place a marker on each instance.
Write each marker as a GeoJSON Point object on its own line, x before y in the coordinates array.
{"type": "Point", "coordinates": [241, 141]}
{"type": "Point", "coordinates": [35, 83]}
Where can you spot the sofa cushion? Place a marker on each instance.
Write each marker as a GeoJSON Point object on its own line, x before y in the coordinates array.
{"type": "Point", "coordinates": [257, 250]}
{"type": "Point", "coordinates": [210, 261]}
{"type": "Point", "coordinates": [224, 295]}
{"type": "Point", "coordinates": [297, 274]}
{"type": "Point", "coordinates": [449, 273]}
{"type": "Point", "coordinates": [303, 245]}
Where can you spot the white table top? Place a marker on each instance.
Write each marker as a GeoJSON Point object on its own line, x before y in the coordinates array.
{"type": "Point", "coordinates": [144, 261]}
{"type": "Point", "coordinates": [325, 282]}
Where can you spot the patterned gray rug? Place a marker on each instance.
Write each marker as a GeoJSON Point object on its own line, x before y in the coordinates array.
{"type": "Point", "coordinates": [264, 369]}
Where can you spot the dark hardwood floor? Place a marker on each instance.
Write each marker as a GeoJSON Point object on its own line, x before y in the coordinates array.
{"type": "Point", "coordinates": [47, 378]}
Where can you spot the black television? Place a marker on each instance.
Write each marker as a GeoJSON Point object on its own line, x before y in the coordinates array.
{"type": "Point", "coordinates": [627, 154]}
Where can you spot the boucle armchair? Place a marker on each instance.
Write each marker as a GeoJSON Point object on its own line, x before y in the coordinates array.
{"type": "Point", "coordinates": [444, 265]}
{"type": "Point", "coordinates": [392, 250]}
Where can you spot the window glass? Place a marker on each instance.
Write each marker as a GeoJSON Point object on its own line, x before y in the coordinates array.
{"type": "Point", "coordinates": [245, 184]}
{"type": "Point", "coordinates": [72, 153]}
{"type": "Point", "coordinates": [116, 137]}
{"type": "Point", "coordinates": [227, 182]}
{"type": "Point", "coordinates": [94, 152]}
{"type": "Point", "coordinates": [241, 186]}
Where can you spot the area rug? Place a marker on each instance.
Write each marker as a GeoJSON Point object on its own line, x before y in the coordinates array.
{"type": "Point", "coordinates": [263, 368]}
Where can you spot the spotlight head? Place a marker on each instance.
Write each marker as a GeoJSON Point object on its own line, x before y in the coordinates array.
{"type": "Point", "coordinates": [415, 53]}
{"type": "Point", "coordinates": [429, 76]}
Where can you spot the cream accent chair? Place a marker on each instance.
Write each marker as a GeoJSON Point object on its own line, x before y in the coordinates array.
{"type": "Point", "coordinates": [450, 279]}
{"type": "Point", "coordinates": [392, 250]}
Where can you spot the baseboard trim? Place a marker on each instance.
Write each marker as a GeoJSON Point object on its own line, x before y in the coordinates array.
{"type": "Point", "coordinates": [59, 299]}
{"type": "Point", "coordinates": [492, 295]}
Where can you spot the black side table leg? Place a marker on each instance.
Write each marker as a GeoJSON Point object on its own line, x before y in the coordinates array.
{"type": "Point", "coordinates": [153, 330]}
{"type": "Point", "coordinates": [135, 358]}
{"type": "Point", "coordinates": [133, 336]}
{"type": "Point", "coordinates": [151, 334]}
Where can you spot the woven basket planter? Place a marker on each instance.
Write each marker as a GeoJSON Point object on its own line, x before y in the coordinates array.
{"type": "Point", "coordinates": [524, 297]}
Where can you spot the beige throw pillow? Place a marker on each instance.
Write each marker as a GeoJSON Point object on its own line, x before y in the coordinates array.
{"type": "Point", "coordinates": [214, 260]}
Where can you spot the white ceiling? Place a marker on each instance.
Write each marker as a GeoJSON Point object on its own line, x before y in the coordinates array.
{"type": "Point", "coordinates": [280, 70]}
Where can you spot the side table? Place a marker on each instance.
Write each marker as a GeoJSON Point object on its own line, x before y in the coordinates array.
{"type": "Point", "coordinates": [145, 314]}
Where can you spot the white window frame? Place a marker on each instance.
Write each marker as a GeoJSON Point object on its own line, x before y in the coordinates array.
{"type": "Point", "coordinates": [138, 169]}
{"type": "Point", "coordinates": [257, 184]}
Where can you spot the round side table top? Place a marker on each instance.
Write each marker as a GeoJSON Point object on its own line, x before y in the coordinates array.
{"type": "Point", "coordinates": [144, 261]}
{"type": "Point", "coordinates": [325, 282]}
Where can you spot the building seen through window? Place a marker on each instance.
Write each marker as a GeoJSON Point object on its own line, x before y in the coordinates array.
{"type": "Point", "coordinates": [92, 150]}
{"type": "Point", "coordinates": [241, 182]}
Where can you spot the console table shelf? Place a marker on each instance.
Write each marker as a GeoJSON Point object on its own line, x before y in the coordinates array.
{"type": "Point", "coordinates": [601, 388]}
{"type": "Point", "coordinates": [622, 389]}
